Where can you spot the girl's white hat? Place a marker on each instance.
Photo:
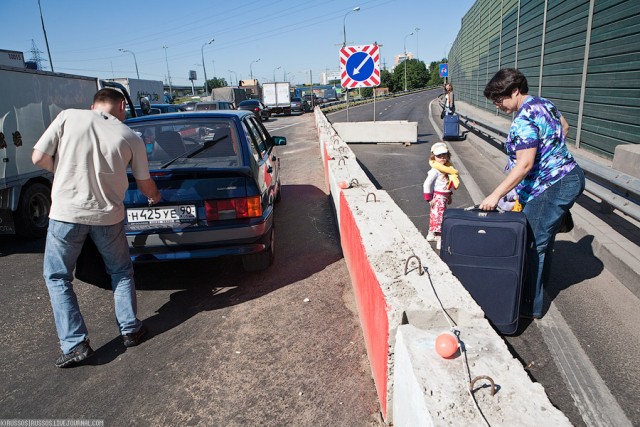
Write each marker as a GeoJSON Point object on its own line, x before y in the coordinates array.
{"type": "Point", "coordinates": [439, 148]}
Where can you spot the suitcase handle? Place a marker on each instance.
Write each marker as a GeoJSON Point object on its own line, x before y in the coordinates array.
{"type": "Point", "coordinates": [477, 208]}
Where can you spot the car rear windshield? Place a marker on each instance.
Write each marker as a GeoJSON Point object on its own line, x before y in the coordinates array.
{"type": "Point", "coordinates": [191, 142]}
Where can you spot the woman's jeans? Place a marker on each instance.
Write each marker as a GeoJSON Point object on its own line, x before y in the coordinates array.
{"type": "Point", "coordinates": [544, 214]}
{"type": "Point", "coordinates": [64, 243]}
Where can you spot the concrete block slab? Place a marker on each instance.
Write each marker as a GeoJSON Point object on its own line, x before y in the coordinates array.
{"type": "Point", "coordinates": [626, 159]}
{"type": "Point", "coordinates": [431, 391]}
{"type": "Point", "coordinates": [374, 132]}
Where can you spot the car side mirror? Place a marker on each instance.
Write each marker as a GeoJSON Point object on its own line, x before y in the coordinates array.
{"type": "Point", "coordinates": [145, 105]}
{"type": "Point", "coordinates": [279, 140]}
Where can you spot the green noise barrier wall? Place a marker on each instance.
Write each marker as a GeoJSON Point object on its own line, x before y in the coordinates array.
{"type": "Point", "coordinates": [584, 55]}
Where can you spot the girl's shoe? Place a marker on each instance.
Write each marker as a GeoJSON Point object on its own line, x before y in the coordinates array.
{"type": "Point", "coordinates": [431, 237]}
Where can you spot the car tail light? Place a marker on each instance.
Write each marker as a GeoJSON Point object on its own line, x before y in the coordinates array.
{"type": "Point", "coordinates": [243, 207]}
{"type": "Point", "coordinates": [161, 175]}
{"type": "Point", "coordinates": [256, 109]}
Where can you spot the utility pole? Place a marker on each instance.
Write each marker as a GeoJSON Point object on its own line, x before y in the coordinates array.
{"type": "Point", "coordinates": [168, 73]}
{"type": "Point", "coordinates": [46, 40]}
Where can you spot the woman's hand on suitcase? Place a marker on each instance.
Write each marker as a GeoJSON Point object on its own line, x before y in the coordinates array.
{"type": "Point", "coordinates": [490, 202]}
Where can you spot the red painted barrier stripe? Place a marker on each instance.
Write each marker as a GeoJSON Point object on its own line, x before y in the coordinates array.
{"type": "Point", "coordinates": [372, 306]}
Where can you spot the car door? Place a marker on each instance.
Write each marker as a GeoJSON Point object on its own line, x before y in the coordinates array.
{"type": "Point", "coordinates": [268, 161]}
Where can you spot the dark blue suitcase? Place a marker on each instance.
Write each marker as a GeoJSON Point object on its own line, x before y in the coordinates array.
{"type": "Point", "coordinates": [451, 129]}
{"type": "Point", "coordinates": [486, 252]}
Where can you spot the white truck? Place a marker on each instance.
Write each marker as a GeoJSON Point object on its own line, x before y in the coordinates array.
{"type": "Point", "coordinates": [277, 97]}
{"type": "Point", "coordinates": [153, 90]}
{"type": "Point", "coordinates": [30, 100]}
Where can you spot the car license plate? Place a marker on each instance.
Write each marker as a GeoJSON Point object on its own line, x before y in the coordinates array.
{"type": "Point", "coordinates": [162, 215]}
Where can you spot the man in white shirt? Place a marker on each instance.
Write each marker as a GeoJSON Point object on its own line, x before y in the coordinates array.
{"type": "Point", "coordinates": [89, 152]}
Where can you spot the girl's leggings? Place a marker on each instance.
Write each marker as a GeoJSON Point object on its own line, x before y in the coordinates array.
{"type": "Point", "coordinates": [437, 210]}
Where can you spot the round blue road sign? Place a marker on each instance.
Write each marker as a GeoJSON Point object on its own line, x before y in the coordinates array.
{"type": "Point", "coordinates": [360, 66]}
{"type": "Point", "coordinates": [444, 70]}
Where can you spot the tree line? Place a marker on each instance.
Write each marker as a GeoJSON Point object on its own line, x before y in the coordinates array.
{"type": "Point", "coordinates": [418, 75]}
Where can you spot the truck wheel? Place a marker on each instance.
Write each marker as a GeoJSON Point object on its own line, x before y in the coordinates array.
{"type": "Point", "coordinates": [32, 216]}
{"type": "Point", "coordinates": [261, 260]}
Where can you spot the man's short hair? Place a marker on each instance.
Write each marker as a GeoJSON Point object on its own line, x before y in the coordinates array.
{"type": "Point", "coordinates": [109, 96]}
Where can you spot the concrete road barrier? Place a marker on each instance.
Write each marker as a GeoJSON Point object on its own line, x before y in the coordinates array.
{"type": "Point", "coordinates": [406, 297]}
{"type": "Point", "coordinates": [401, 131]}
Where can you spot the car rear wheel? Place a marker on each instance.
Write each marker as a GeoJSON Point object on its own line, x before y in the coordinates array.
{"type": "Point", "coordinates": [261, 260]}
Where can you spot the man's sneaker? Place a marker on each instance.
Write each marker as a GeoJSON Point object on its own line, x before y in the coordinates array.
{"type": "Point", "coordinates": [431, 237]}
{"type": "Point", "coordinates": [75, 356]}
{"type": "Point", "coordinates": [135, 338]}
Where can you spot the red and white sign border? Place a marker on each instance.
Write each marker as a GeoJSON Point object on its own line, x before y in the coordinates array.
{"type": "Point", "coordinates": [374, 80]}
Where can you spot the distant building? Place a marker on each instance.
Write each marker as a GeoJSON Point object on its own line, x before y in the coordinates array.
{"type": "Point", "coordinates": [12, 58]}
{"type": "Point", "coordinates": [401, 57]}
{"type": "Point", "coordinates": [328, 76]}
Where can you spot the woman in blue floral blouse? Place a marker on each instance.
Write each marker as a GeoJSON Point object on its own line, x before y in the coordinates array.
{"type": "Point", "coordinates": [541, 169]}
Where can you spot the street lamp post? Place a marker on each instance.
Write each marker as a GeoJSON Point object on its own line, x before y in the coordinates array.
{"type": "Point", "coordinates": [206, 86]}
{"type": "Point", "coordinates": [274, 73]}
{"type": "Point", "coordinates": [344, 44]}
{"type": "Point", "coordinates": [250, 69]}
{"type": "Point", "coordinates": [134, 60]}
{"type": "Point", "coordinates": [168, 73]}
{"type": "Point", "coordinates": [236, 74]}
{"type": "Point", "coordinates": [344, 25]}
{"type": "Point", "coordinates": [405, 60]}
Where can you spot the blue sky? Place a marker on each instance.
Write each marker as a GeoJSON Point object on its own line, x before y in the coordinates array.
{"type": "Point", "coordinates": [300, 37]}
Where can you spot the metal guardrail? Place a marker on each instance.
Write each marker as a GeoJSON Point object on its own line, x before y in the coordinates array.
{"type": "Point", "coordinates": [617, 189]}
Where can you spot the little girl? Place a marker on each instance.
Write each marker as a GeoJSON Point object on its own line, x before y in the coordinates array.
{"type": "Point", "coordinates": [441, 180]}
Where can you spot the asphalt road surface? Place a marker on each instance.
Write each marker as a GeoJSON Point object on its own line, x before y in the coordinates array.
{"type": "Point", "coordinates": [283, 347]}
{"type": "Point", "coordinates": [594, 315]}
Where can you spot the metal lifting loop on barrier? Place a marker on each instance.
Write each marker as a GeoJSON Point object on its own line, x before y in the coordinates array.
{"type": "Point", "coordinates": [374, 197]}
{"type": "Point", "coordinates": [406, 265]}
{"type": "Point", "coordinates": [353, 183]}
{"type": "Point", "coordinates": [342, 160]}
{"type": "Point", "coordinates": [342, 150]}
{"type": "Point", "coordinates": [483, 377]}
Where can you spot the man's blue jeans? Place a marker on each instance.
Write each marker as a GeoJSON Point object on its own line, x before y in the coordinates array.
{"type": "Point", "coordinates": [544, 214]}
{"type": "Point", "coordinates": [64, 243]}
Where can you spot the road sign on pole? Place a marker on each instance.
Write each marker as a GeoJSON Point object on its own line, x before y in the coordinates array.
{"type": "Point", "coordinates": [360, 66]}
{"type": "Point", "coordinates": [444, 70]}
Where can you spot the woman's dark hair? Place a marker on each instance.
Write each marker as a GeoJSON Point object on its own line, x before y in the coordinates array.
{"type": "Point", "coordinates": [504, 82]}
